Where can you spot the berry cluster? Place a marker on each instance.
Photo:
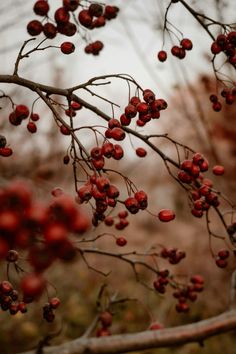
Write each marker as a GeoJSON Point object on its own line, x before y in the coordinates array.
{"type": "Point", "coordinates": [147, 109]}
{"type": "Point", "coordinates": [121, 224]}
{"type": "Point", "coordinates": [48, 308]}
{"type": "Point", "coordinates": [202, 196]}
{"type": "Point", "coordinates": [173, 255]}
{"type": "Point", "coordinates": [161, 281]}
{"type": "Point", "coordinates": [229, 95]}
{"type": "Point", "coordinates": [226, 43]}
{"type": "Point", "coordinates": [42, 232]}
{"type": "Point", "coordinates": [9, 299]}
{"type": "Point", "coordinates": [188, 293]}
{"type": "Point", "coordinates": [105, 318]}
{"type": "Point", "coordinates": [92, 16]}
{"type": "Point", "coordinates": [20, 113]}
{"type": "Point", "coordinates": [177, 51]}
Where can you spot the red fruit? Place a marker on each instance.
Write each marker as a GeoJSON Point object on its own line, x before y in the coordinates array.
{"type": "Point", "coordinates": [85, 18]}
{"type": "Point", "coordinates": [6, 287]}
{"type": "Point", "coordinates": [112, 192]}
{"type": "Point", "coordinates": [134, 100]}
{"type": "Point", "coordinates": [34, 28]}
{"type": "Point", "coordinates": [9, 221]}
{"type": "Point", "coordinates": [95, 10]}
{"type": "Point", "coordinates": [85, 192]}
{"type": "Point", "coordinates": [117, 134]}
{"type": "Point", "coordinates": [41, 8]}
{"type": "Point", "coordinates": [21, 111]}
{"type": "Point", "coordinates": [114, 123]}
{"type": "Point", "coordinates": [121, 241]}
{"type": "Point", "coordinates": [97, 47]}
{"type": "Point", "coordinates": [217, 106]}
{"type": "Point", "coordinates": [218, 170]}
{"type": "Point", "coordinates": [55, 233]}
{"type": "Point", "coordinates": [156, 325]}
{"type": "Point", "coordinates": [71, 5]}
{"type": "Point", "coordinates": [166, 215]}
{"type": "Point", "coordinates": [32, 285]}
{"type": "Point", "coordinates": [197, 213]}
{"type": "Point", "coordinates": [223, 254]}
{"type": "Point", "coordinates": [107, 149]}
{"type": "Point", "coordinates": [221, 263]}
{"type": "Point", "coordinates": [98, 163]}
{"type": "Point", "coordinates": [141, 197]}
{"type": "Point", "coordinates": [62, 16]}
{"type": "Point", "coordinates": [67, 47]}
{"type": "Point", "coordinates": [130, 111]}
{"type": "Point", "coordinates": [125, 120]}
{"type": "Point", "coordinates": [213, 98]}
{"type": "Point", "coordinates": [5, 152]}
{"type": "Point", "coordinates": [142, 107]}
{"type": "Point", "coordinates": [221, 40]}
{"type": "Point", "coordinates": [22, 307]}
{"type": "Point", "coordinates": [76, 106]}
{"type": "Point", "coordinates": [49, 30]}
{"type": "Point", "coordinates": [57, 192]}
{"type": "Point", "coordinates": [66, 159]}
{"type": "Point", "coordinates": [215, 48]}
{"type": "Point", "coordinates": [232, 37]}
{"type": "Point", "coordinates": [109, 221]}
{"type": "Point", "coordinates": [175, 50]}
{"type": "Point", "coordinates": [103, 332]}
{"type": "Point", "coordinates": [204, 166]}
{"type": "Point", "coordinates": [162, 55]}
{"type": "Point", "coordinates": [110, 12]}
{"type": "Point", "coordinates": [64, 130]}
{"type": "Point", "coordinates": [54, 303]}
{"type": "Point", "coordinates": [106, 318]}
{"type": "Point", "coordinates": [132, 205]}
{"type": "Point", "coordinates": [186, 44]}
{"type": "Point", "coordinates": [148, 96]}
{"type": "Point", "coordinates": [123, 214]}
{"type": "Point", "coordinates": [102, 184]}
{"type": "Point", "coordinates": [96, 152]}
{"type": "Point", "coordinates": [34, 117]}
{"type": "Point", "coordinates": [140, 152]}
{"type": "Point", "coordinates": [184, 177]}
{"type": "Point", "coordinates": [182, 307]}
{"type": "Point", "coordinates": [197, 279]}
{"type": "Point", "coordinates": [32, 128]}
{"type": "Point", "coordinates": [186, 165]}
{"type": "Point", "coordinates": [118, 152]}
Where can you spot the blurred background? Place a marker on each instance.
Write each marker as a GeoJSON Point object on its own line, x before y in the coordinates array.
{"type": "Point", "coordinates": [131, 43]}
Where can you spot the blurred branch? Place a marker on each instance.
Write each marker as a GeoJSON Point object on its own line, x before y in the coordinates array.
{"type": "Point", "coordinates": [196, 332]}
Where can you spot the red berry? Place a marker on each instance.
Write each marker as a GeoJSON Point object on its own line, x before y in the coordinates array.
{"type": "Point", "coordinates": [61, 15]}
{"type": "Point", "coordinates": [140, 152]}
{"type": "Point", "coordinates": [162, 55]}
{"type": "Point", "coordinates": [34, 28]}
{"type": "Point", "coordinates": [85, 18]}
{"type": "Point", "coordinates": [5, 152]}
{"type": "Point", "coordinates": [166, 215]}
{"type": "Point", "coordinates": [67, 47]}
{"type": "Point", "coordinates": [186, 44]}
{"type": "Point", "coordinates": [121, 241]}
{"type": "Point", "coordinates": [41, 8]}
{"type": "Point", "coordinates": [33, 285]}
{"type": "Point", "coordinates": [71, 5]}
{"type": "Point", "coordinates": [218, 170]}
{"type": "Point", "coordinates": [32, 128]}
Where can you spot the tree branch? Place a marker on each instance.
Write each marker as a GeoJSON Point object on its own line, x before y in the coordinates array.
{"type": "Point", "coordinates": [196, 332]}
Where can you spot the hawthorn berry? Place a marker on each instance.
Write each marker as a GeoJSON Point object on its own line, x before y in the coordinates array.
{"type": "Point", "coordinates": [162, 55]}
{"type": "Point", "coordinates": [218, 170]}
{"type": "Point", "coordinates": [41, 7]}
{"type": "Point", "coordinates": [121, 241]}
{"type": "Point", "coordinates": [67, 47]}
{"type": "Point", "coordinates": [140, 152]}
{"type": "Point", "coordinates": [166, 215]}
{"type": "Point", "coordinates": [34, 28]}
